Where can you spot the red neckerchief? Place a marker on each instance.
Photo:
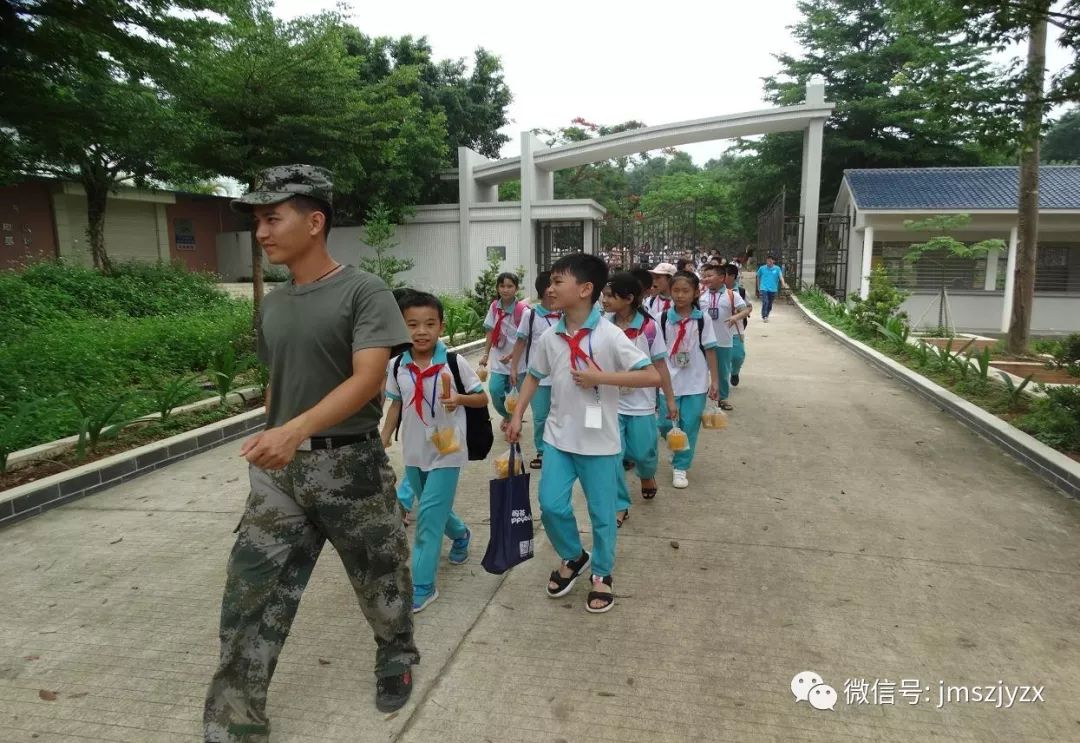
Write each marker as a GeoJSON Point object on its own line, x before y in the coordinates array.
{"type": "Point", "coordinates": [576, 351]}
{"type": "Point", "coordinates": [418, 385]}
{"type": "Point", "coordinates": [633, 333]}
{"type": "Point", "coordinates": [496, 332]}
{"type": "Point", "coordinates": [681, 334]}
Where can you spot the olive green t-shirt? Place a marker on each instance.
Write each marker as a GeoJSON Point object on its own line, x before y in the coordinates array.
{"type": "Point", "coordinates": [307, 337]}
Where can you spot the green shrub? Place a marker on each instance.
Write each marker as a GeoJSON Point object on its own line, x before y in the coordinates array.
{"type": "Point", "coordinates": [101, 356]}
{"type": "Point", "coordinates": [53, 290]}
{"type": "Point", "coordinates": [1055, 419]}
{"type": "Point", "coordinates": [881, 305]}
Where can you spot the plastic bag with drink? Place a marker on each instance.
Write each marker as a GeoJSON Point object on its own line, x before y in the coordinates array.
{"type": "Point", "coordinates": [502, 465]}
{"type": "Point", "coordinates": [714, 418]}
{"type": "Point", "coordinates": [677, 440]}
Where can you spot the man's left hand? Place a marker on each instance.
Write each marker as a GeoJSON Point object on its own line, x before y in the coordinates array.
{"type": "Point", "coordinates": [272, 449]}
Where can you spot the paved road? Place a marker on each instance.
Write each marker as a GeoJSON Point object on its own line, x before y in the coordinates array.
{"type": "Point", "coordinates": [841, 525]}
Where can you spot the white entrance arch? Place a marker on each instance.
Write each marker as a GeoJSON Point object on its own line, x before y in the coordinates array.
{"type": "Point", "coordinates": [478, 177]}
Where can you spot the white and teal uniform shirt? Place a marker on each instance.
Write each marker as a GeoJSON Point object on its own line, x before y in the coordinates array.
{"type": "Point", "coordinates": [541, 321]}
{"type": "Point", "coordinates": [686, 362]}
{"type": "Point", "coordinates": [723, 304]}
{"type": "Point", "coordinates": [644, 332]}
{"type": "Point", "coordinates": [501, 325]}
{"type": "Point", "coordinates": [656, 305]}
{"type": "Point", "coordinates": [417, 427]}
{"type": "Point", "coordinates": [609, 349]}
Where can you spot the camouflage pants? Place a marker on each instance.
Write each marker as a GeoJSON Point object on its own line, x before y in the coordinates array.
{"type": "Point", "coordinates": [345, 495]}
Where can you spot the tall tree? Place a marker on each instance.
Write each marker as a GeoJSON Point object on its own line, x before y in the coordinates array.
{"type": "Point", "coordinates": [474, 101]}
{"type": "Point", "coordinates": [1003, 22]}
{"type": "Point", "coordinates": [1062, 142]}
{"type": "Point", "coordinates": [278, 92]}
{"type": "Point", "coordinates": [907, 94]}
{"type": "Point", "coordinates": [83, 94]}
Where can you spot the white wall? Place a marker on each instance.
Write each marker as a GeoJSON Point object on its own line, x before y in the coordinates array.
{"type": "Point", "coordinates": [432, 245]}
{"type": "Point", "coordinates": [980, 312]}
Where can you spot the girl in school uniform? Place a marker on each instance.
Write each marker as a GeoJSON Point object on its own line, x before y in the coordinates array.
{"type": "Point", "coordinates": [503, 317]}
{"type": "Point", "coordinates": [692, 365]}
{"type": "Point", "coordinates": [637, 406]}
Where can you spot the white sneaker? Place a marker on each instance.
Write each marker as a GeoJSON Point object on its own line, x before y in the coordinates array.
{"type": "Point", "coordinates": [764, 319]}
{"type": "Point", "coordinates": [678, 479]}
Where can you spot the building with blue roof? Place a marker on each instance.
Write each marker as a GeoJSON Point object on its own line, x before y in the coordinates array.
{"type": "Point", "coordinates": [875, 204]}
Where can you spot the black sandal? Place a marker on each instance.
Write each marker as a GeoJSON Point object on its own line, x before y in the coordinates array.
{"type": "Point", "coordinates": [565, 584]}
{"type": "Point", "coordinates": [607, 599]}
{"type": "Point", "coordinates": [537, 463]}
{"type": "Point", "coordinates": [620, 521]}
{"type": "Point", "coordinates": [648, 493]}
{"type": "Point", "coordinates": [725, 405]}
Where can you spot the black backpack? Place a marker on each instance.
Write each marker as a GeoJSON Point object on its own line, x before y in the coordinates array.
{"type": "Point", "coordinates": [700, 330]}
{"type": "Point", "coordinates": [479, 437]}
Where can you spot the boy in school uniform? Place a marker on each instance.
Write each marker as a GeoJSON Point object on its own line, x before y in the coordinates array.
{"type": "Point", "coordinates": [725, 310]}
{"type": "Point", "coordinates": [738, 340]}
{"type": "Point", "coordinates": [433, 430]}
{"type": "Point", "coordinates": [534, 323]}
{"type": "Point", "coordinates": [660, 301]}
{"type": "Point", "coordinates": [588, 359]}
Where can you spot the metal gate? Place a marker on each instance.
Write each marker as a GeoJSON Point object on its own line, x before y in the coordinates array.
{"type": "Point", "coordinates": [647, 239]}
{"type": "Point", "coordinates": [780, 235]}
{"type": "Point", "coordinates": [556, 239]}
{"type": "Point", "coordinates": [831, 272]}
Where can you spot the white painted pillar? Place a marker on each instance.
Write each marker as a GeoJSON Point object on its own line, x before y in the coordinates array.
{"type": "Point", "coordinates": [466, 189]}
{"type": "Point", "coordinates": [526, 250]}
{"type": "Point", "coordinates": [587, 245]}
{"type": "Point", "coordinates": [990, 282]}
{"type": "Point", "coordinates": [867, 257]}
{"type": "Point", "coordinates": [1010, 281]}
{"type": "Point", "coordinates": [810, 192]}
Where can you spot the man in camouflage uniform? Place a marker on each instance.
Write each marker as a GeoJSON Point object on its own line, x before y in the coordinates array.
{"type": "Point", "coordinates": [319, 470]}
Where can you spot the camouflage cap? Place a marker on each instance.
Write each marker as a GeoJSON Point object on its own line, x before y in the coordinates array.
{"type": "Point", "coordinates": [282, 182]}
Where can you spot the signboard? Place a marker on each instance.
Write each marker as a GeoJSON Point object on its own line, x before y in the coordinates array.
{"type": "Point", "coordinates": [185, 234]}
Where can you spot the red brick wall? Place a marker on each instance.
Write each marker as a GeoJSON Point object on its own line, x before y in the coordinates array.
{"type": "Point", "coordinates": [26, 224]}
{"type": "Point", "coordinates": [207, 216]}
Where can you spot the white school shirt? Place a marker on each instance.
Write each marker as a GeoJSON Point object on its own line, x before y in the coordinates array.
{"type": "Point", "coordinates": [507, 336]}
{"type": "Point", "coordinates": [417, 448]}
{"type": "Point", "coordinates": [694, 378]}
{"type": "Point", "coordinates": [641, 400]}
{"type": "Point", "coordinates": [545, 320]}
{"type": "Point", "coordinates": [657, 305]}
{"type": "Point", "coordinates": [612, 351]}
{"type": "Point", "coordinates": [721, 300]}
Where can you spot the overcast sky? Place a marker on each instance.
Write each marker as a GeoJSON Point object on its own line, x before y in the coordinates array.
{"type": "Point", "coordinates": [656, 62]}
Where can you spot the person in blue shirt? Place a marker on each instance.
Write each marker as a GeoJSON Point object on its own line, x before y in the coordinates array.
{"type": "Point", "coordinates": [770, 278]}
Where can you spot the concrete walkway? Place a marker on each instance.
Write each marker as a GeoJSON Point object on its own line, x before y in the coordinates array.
{"type": "Point", "coordinates": [841, 526]}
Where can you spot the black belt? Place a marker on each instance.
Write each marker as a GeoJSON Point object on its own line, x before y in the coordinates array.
{"type": "Point", "coordinates": [334, 442]}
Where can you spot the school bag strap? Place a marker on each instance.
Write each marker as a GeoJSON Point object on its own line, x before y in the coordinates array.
{"type": "Point", "coordinates": [528, 339]}
{"type": "Point", "coordinates": [700, 330]}
{"type": "Point", "coordinates": [479, 436]}
{"type": "Point", "coordinates": [397, 367]}
{"type": "Point", "coordinates": [648, 329]}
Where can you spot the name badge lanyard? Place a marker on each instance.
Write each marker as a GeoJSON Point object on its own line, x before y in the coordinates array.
{"type": "Point", "coordinates": [418, 391]}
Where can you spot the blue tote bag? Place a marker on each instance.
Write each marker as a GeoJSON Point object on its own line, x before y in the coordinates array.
{"type": "Point", "coordinates": [511, 541]}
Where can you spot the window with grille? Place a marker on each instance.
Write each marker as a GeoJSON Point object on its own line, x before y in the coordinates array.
{"type": "Point", "coordinates": [1057, 267]}
{"type": "Point", "coordinates": [933, 269]}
